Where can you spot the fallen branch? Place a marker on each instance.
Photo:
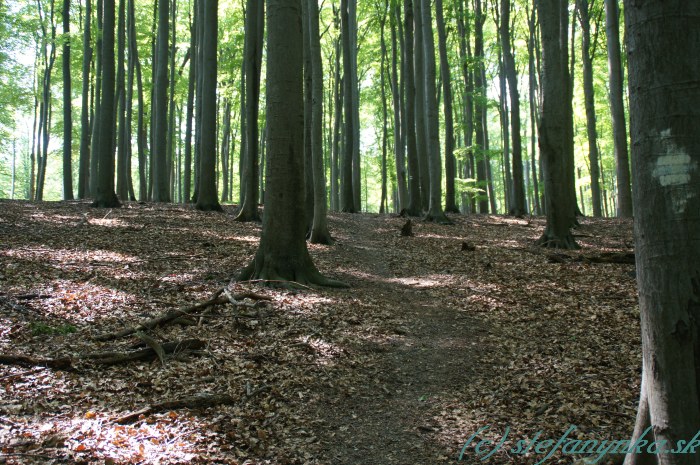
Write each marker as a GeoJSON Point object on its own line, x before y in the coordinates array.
{"type": "Point", "coordinates": [113, 358]}
{"type": "Point", "coordinates": [171, 315]}
{"type": "Point", "coordinates": [61, 363]}
{"type": "Point", "coordinates": [194, 402]}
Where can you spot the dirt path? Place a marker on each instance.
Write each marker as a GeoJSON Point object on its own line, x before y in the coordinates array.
{"type": "Point", "coordinates": [389, 420]}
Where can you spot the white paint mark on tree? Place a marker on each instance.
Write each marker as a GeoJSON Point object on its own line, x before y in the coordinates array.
{"type": "Point", "coordinates": [673, 169]}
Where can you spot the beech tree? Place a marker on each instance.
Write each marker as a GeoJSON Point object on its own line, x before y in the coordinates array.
{"type": "Point", "coordinates": [67, 110]}
{"type": "Point", "coordinates": [282, 255]}
{"type": "Point", "coordinates": [665, 114]}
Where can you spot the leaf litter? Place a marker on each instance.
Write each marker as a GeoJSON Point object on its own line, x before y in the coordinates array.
{"type": "Point", "coordinates": [442, 333]}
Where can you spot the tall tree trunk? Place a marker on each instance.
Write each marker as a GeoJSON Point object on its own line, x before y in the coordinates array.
{"type": "Point", "coordinates": [445, 74]}
{"type": "Point", "coordinates": [347, 195]}
{"type": "Point", "coordinates": [161, 190]}
{"type": "Point", "coordinates": [480, 108]}
{"type": "Point", "coordinates": [383, 207]}
{"type": "Point", "coordinates": [420, 99]}
{"type": "Point", "coordinates": [105, 196]}
{"type": "Point", "coordinates": [172, 109]}
{"type": "Point", "coordinates": [308, 173]}
{"type": "Point", "coordinates": [207, 199]}
{"type": "Point", "coordinates": [95, 143]}
{"type": "Point", "coordinates": [435, 212]}
{"type": "Point", "coordinates": [397, 96]}
{"type": "Point", "coordinates": [664, 116]}
{"type": "Point", "coordinates": [319, 228]}
{"type": "Point", "coordinates": [355, 96]}
{"type": "Point", "coordinates": [49, 58]}
{"type": "Point", "coordinates": [123, 134]}
{"type": "Point", "coordinates": [67, 108]}
{"type": "Point", "coordinates": [135, 68]}
{"type": "Point", "coordinates": [337, 122]}
{"type": "Point", "coordinates": [282, 254]}
{"type": "Point", "coordinates": [226, 149]}
{"type": "Point", "coordinates": [251, 159]}
{"type": "Point", "coordinates": [519, 204]}
{"type": "Point", "coordinates": [84, 158]}
{"type": "Point", "coordinates": [415, 203]}
{"type": "Point", "coordinates": [187, 191]}
{"type": "Point", "coordinates": [553, 133]}
{"type": "Point", "coordinates": [587, 58]}
{"type": "Point", "coordinates": [465, 57]}
{"type": "Point", "coordinates": [532, 81]}
{"type": "Point", "coordinates": [617, 109]}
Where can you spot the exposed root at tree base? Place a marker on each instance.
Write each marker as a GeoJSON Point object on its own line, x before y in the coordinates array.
{"type": "Point", "coordinates": [286, 275]}
{"type": "Point", "coordinates": [555, 242]}
{"type": "Point", "coordinates": [209, 207]}
{"type": "Point", "coordinates": [439, 218]}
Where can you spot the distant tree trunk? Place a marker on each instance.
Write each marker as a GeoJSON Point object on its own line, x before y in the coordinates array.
{"type": "Point", "coordinates": [664, 117]}
{"type": "Point", "coordinates": [420, 99]}
{"type": "Point", "coordinates": [465, 57]}
{"type": "Point", "coordinates": [480, 107]}
{"type": "Point", "coordinates": [519, 204]}
{"type": "Point", "coordinates": [159, 152]}
{"type": "Point", "coordinates": [135, 66]}
{"type": "Point", "coordinates": [319, 228]}
{"type": "Point", "coordinates": [532, 80]}
{"type": "Point", "coordinates": [505, 130]}
{"type": "Point", "coordinates": [337, 122]}
{"type": "Point", "coordinates": [587, 58]}
{"type": "Point", "coordinates": [383, 207]}
{"type": "Point", "coordinates": [445, 75]}
{"type": "Point", "coordinates": [415, 203]}
{"type": "Point", "coordinates": [67, 108]}
{"type": "Point", "coordinates": [207, 199]}
{"type": "Point", "coordinates": [253, 63]}
{"type": "Point", "coordinates": [131, 71]}
{"type": "Point", "coordinates": [355, 96]}
{"type": "Point", "coordinates": [84, 158]}
{"type": "Point", "coordinates": [617, 109]}
{"type": "Point", "coordinates": [435, 212]}
{"type": "Point", "coordinates": [552, 129]}
{"type": "Point", "coordinates": [568, 67]}
{"type": "Point", "coordinates": [49, 59]}
{"type": "Point", "coordinates": [105, 196]}
{"type": "Point", "coordinates": [282, 254]}
{"type": "Point", "coordinates": [397, 96]}
{"type": "Point", "coordinates": [172, 108]}
{"type": "Point", "coordinates": [187, 191]}
{"type": "Point", "coordinates": [226, 149]}
{"type": "Point", "coordinates": [347, 195]}
{"type": "Point", "coordinates": [95, 123]}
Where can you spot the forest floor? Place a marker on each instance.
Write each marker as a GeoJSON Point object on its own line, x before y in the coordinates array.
{"type": "Point", "coordinates": [430, 345]}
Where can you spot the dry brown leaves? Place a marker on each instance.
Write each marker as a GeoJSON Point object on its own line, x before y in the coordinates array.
{"type": "Point", "coordinates": [431, 343]}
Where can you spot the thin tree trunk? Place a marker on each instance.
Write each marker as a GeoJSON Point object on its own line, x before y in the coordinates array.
{"type": "Point", "coordinates": [67, 108]}
{"type": "Point", "coordinates": [450, 166]}
{"type": "Point", "coordinates": [480, 108]}
{"type": "Point", "coordinates": [347, 195]}
{"type": "Point", "coordinates": [420, 99]}
{"type": "Point", "coordinates": [95, 144]}
{"type": "Point", "coordinates": [383, 206]}
{"type": "Point", "coordinates": [84, 160]}
{"type": "Point", "coordinates": [161, 191]}
{"type": "Point", "coordinates": [123, 134]}
{"type": "Point", "coordinates": [397, 96]}
{"type": "Point", "coordinates": [415, 204]}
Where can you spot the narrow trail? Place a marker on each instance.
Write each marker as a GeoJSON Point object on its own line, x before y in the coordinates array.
{"type": "Point", "coordinates": [388, 419]}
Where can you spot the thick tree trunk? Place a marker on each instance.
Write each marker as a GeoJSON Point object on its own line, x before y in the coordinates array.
{"type": "Point", "coordinates": [282, 255]}
{"type": "Point", "coordinates": [589, 93]}
{"type": "Point", "coordinates": [617, 109]}
{"type": "Point", "coordinates": [435, 212]}
{"type": "Point", "coordinates": [421, 127]}
{"type": "Point", "coordinates": [123, 133]}
{"type": "Point", "coordinates": [415, 204]}
{"type": "Point", "coordinates": [397, 96]}
{"type": "Point", "coordinates": [355, 96]}
{"type": "Point", "coordinates": [67, 108]}
{"type": "Point", "coordinates": [191, 79]}
{"type": "Point", "coordinates": [347, 195]}
{"type": "Point", "coordinates": [159, 152]}
{"type": "Point", "coordinates": [95, 124]}
{"type": "Point", "coordinates": [207, 199]}
{"type": "Point", "coordinates": [140, 127]}
{"type": "Point", "coordinates": [171, 135]}
{"type": "Point", "coordinates": [664, 116]}
{"type": "Point", "coordinates": [465, 56]}
{"type": "Point", "coordinates": [337, 122]}
{"type": "Point", "coordinates": [552, 129]}
{"type": "Point", "coordinates": [532, 80]}
{"type": "Point", "coordinates": [480, 108]}
{"type": "Point", "coordinates": [105, 196]}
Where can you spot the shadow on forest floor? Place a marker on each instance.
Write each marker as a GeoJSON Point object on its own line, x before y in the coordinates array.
{"type": "Point", "coordinates": [430, 344]}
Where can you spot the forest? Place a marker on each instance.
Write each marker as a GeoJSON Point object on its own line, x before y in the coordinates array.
{"type": "Point", "coordinates": [315, 232]}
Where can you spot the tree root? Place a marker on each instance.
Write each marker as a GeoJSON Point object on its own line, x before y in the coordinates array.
{"type": "Point", "coordinates": [113, 358]}
{"type": "Point", "coordinates": [551, 241]}
{"type": "Point", "coordinates": [193, 402]}
{"type": "Point", "coordinates": [287, 275]}
{"type": "Point", "coordinates": [61, 363]}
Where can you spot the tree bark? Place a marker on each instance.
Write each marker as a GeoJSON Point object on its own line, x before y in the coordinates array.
{"type": "Point", "coordinates": [617, 109]}
{"type": "Point", "coordinates": [480, 109]}
{"type": "Point", "coordinates": [159, 152]}
{"type": "Point", "coordinates": [207, 199]}
{"type": "Point", "coordinates": [397, 98]}
{"type": "Point", "coordinates": [282, 255]}
{"type": "Point", "coordinates": [421, 127]}
{"type": "Point", "coordinates": [347, 194]}
{"type": "Point", "coordinates": [84, 157]}
{"type": "Point", "coordinates": [105, 196]}
{"type": "Point", "coordinates": [67, 108]}
{"type": "Point", "coordinates": [664, 116]}
{"type": "Point", "coordinates": [415, 204]}
{"type": "Point", "coordinates": [552, 129]}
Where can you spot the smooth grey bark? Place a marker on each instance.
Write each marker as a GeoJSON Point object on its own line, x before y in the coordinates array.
{"type": "Point", "coordinates": [383, 207]}
{"type": "Point", "coordinates": [207, 199]}
{"type": "Point", "coordinates": [465, 56]}
{"type": "Point", "coordinates": [49, 58]}
{"type": "Point", "coordinates": [480, 108]}
{"type": "Point", "coordinates": [414, 200]}
{"type": "Point", "coordinates": [171, 136]}
{"type": "Point", "coordinates": [189, 116]}
{"type": "Point", "coordinates": [122, 134]}
{"type": "Point", "coordinates": [159, 153]}
{"type": "Point", "coordinates": [519, 203]}
{"type": "Point", "coordinates": [253, 62]}
{"type": "Point", "coordinates": [617, 109]}
{"type": "Point", "coordinates": [587, 55]}
{"type": "Point", "coordinates": [319, 228]}
{"type": "Point", "coordinates": [347, 184]}
{"type": "Point", "coordinates": [532, 84]}
{"type": "Point", "coordinates": [84, 156]}
{"type": "Point", "coordinates": [399, 133]}
{"type": "Point", "coordinates": [226, 150]}
{"type": "Point", "coordinates": [97, 105]}
{"type": "Point", "coordinates": [308, 173]}
{"type": "Point", "coordinates": [105, 197]}
{"type": "Point", "coordinates": [421, 127]}
{"type": "Point", "coordinates": [446, 77]}
{"type": "Point", "coordinates": [355, 96]}
{"type": "Point", "coordinates": [337, 120]}
{"type": "Point", "coordinates": [664, 117]}
{"type": "Point", "coordinates": [135, 65]}
{"type": "Point", "coordinates": [553, 133]}
{"type": "Point", "coordinates": [435, 212]}
{"type": "Point", "coordinates": [67, 108]}
{"type": "Point", "coordinates": [282, 257]}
